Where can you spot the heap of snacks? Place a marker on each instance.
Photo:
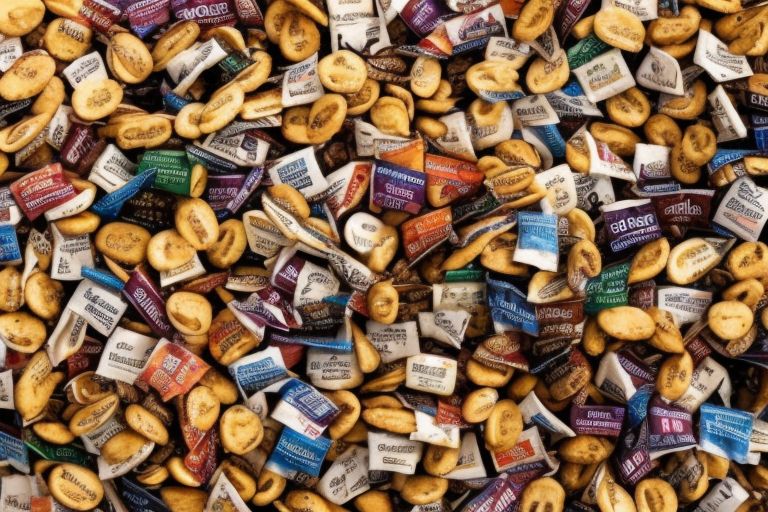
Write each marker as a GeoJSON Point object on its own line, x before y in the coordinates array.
{"type": "Point", "coordinates": [417, 255]}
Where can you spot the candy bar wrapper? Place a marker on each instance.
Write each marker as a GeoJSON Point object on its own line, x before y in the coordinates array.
{"type": "Point", "coordinates": [17, 491]}
{"type": "Point", "coordinates": [630, 223]}
{"type": "Point", "coordinates": [470, 464]}
{"type": "Point", "coordinates": [608, 289]}
{"type": "Point", "coordinates": [146, 16]}
{"type": "Point", "coordinates": [394, 341]}
{"type": "Point", "coordinates": [297, 457]}
{"type": "Point", "coordinates": [144, 296]}
{"type": "Point", "coordinates": [725, 432]}
{"type": "Point", "coordinates": [344, 186]}
{"type": "Point", "coordinates": [743, 209]}
{"type": "Point", "coordinates": [13, 451]}
{"type": "Point", "coordinates": [131, 492]}
{"type": "Point", "coordinates": [537, 240]}
{"type": "Point", "coordinates": [10, 251]}
{"type": "Point", "coordinates": [304, 409]}
{"type": "Point", "coordinates": [397, 188]}
{"type": "Point", "coordinates": [171, 370]}
{"type": "Point", "coordinates": [424, 233]}
{"type": "Point", "coordinates": [42, 190]}
{"type": "Point", "coordinates": [670, 428]}
{"type": "Point", "coordinates": [501, 494]}
{"type": "Point", "coordinates": [258, 371]}
{"type": "Point", "coordinates": [510, 310]}
{"type": "Point", "coordinates": [620, 375]}
{"type": "Point", "coordinates": [125, 354]}
{"type": "Point", "coordinates": [708, 377]}
{"type": "Point", "coordinates": [597, 420]}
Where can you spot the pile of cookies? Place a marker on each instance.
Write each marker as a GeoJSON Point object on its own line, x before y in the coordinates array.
{"type": "Point", "coordinates": [423, 255]}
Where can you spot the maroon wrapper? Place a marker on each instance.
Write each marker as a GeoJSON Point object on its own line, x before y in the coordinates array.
{"type": "Point", "coordinates": [85, 358]}
{"type": "Point", "coordinates": [249, 13]}
{"type": "Point", "coordinates": [144, 296]}
{"type": "Point", "coordinates": [287, 277]}
{"type": "Point", "coordinates": [101, 15]}
{"type": "Point", "coordinates": [79, 143]}
{"type": "Point", "coordinates": [207, 13]}
{"type": "Point", "coordinates": [686, 209]}
{"type": "Point", "coordinates": [698, 348]}
{"type": "Point", "coordinates": [643, 295]}
{"type": "Point", "coordinates": [423, 16]}
{"type": "Point", "coordinates": [670, 427]}
{"type": "Point", "coordinates": [568, 14]}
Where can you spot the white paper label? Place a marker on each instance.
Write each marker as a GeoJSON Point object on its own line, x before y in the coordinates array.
{"type": "Point", "coordinates": [713, 55]}
{"type": "Point", "coordinates": [124, 355]}
{"type": "Point", "coordinates": [390, 452]}
{"type": "Point", "coordinates": [394, 341]}
{"type": "Point", "coordinates": [725, 117]}
{"type": "Point", "coordinates": [743, 209]}
{"type": "Point", "coordinates": [70, 254]}
{"type": "Point", "coordinates": [89, 66]}
{"type": "Point", "coordinates": [604, 76]}
{"type": "Point", "coordinates": [561, 186]}
{"type": "Point", "coordinates": [347, 477]}
{"type": "Point", "coordinates": [10, 51]}
{"type": "Point", "coordinates": [301, 171]}
{"type": "Point", "coordinates": [431, 373]}
{"type": "Point", "coordinates": [189, 270]}
{"type": "Point", "coordinates": [188, 65]}
{"type": "Point", "coordinates": [301, 83]}
{"type": "Point", "coordinates": [101, 307]}
{"type": "Point", "coordinates": [661, 72]}
{"type": "Point", "coordinates": [112, 169]}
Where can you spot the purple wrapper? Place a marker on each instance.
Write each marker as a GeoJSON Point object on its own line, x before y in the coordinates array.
{"type": "Point", "coordinates": [249, 13]}
{"type": "Point", "coordinates": [423, 16]}
{"type": "Point", "coordinates": [398, 188]}
{"type": "Point", "coordinates": [597, 420]}
{"type": "Point", "coordinates": [143, 295]}
{"type": "Point", "coordinates": [632, 226]}
{"type": "Point", "coordinates": [145, 16]}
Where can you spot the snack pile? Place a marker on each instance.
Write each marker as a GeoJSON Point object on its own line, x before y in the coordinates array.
{"type": "Point", "coordinates": [379, 256]}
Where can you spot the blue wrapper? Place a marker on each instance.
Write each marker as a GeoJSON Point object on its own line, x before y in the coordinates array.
{"type": "Point", "coordinates": [761, 137]}
{"type": "Point", "coordinates": [637, 405]}
{"type": "Point", "coordinates": [257, 371]}
{"type": "Point", "coordinates": [174, 103]}
{"type": "Point", "coordinates": [337, 343]}
{"type": "Point", "coordinates": [725, 432]}
{"type": "Point", "coordinates": [109, 206]}
{"type": "Point", "coordinates": [138, 499]}
{"type": "Point", "coordinates": [102, 277]}
{"type": "Point", "coordinates": [537, 231]}
{"type": "Point", "coordinates": [510, 310]}
{"type": "Point", "coordinates": [309, 402]}
{"type": "Point", "coordinates": [13, 450]}
{"type": "Point", "coordinates": [10, 252]}
{"type": "Point", "coordinates": [213, 163]}
{"type": "Point", "coordinates": [297, 455]}
{"type": "Point", "coordinates": [551, 136]}
{"type": "Point", "coordinates": [727, 156]}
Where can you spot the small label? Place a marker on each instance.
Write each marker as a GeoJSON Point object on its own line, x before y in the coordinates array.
{"type": "Point", "coordinates": [397, 188]}
{"type": "Point", "coordinates": [743, 209]}
{"type": "Point", "coordinates": [631, 223]}
{"type": "Point", "coordinates": [537, 240]}
{"type": "Point", "coordinates": [125, 355]}
{"type": "Point", "coordinates": [301, 83]}
{"type": "Point", "coordinates": [597, 420]}
{"type": "Point", "coordinates": [172, 370]}
{"type": "Point", "coordinates": [89, 66]}
{"type": "Point", "coordinates": [42, 190]}
{"type": "Point", "coordinates": [604, 76]}
{"type": "Point", "coordinates": [431, 374]}
{"type": "Point", "coordinates": [394, 341]}
{"type": "Point", "coordinates": [297, 457]}
{"type": "Point", "coordinates": [301, 171]}
{"type": "Point", "coordinates": [389, 452]}
{"type": "Point", "coordinates": [661, 72]}
{"type": "Point", "coordinates": [101, 307]}
{"type": "Point", "coordinates": [713, 55]}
